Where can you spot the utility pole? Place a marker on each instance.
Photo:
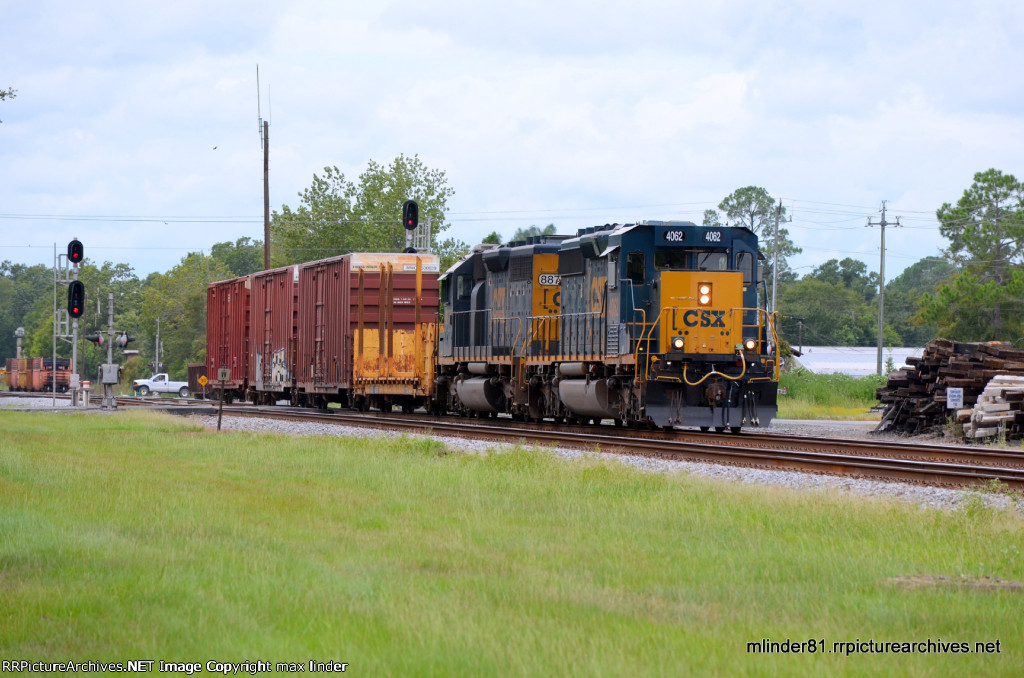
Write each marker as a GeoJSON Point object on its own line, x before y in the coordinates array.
{"type": "Point", "coordinates": [881, 282]}
{"type": "Point", "coordinates": [265, 143]}
{"type": "Point", "coordinates": [775, 256]}
{"type": "Point", "coordinates": [266, 194]}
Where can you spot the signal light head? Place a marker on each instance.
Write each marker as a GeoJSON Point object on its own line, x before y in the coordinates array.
{"type": "Point", "coordinates": [410, 215]}
{"type": "Point", "coordinates": [75, 251]}
{"type": "Point", "coordinates": [76, 299]}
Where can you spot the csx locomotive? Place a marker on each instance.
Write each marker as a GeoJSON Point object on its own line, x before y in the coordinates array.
{"type": "Point", "coordinates": [653, 323]}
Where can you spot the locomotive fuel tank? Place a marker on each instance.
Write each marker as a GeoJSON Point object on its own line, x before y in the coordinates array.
{"type": "Point", "coordinates": [481, 394]}
{"type": "Point", "coordinates": [589, 398]}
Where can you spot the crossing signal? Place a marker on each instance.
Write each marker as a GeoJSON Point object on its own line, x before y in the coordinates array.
{"type": "Point", "coordinates": [410, 215]}
{"type": "Point", "coordinates": [96, 339]}
{"type": "Point", "coordinates": [75, 251]}
{"type": "Point", "coordinates": [123, 340]}
{"type": "Point", "coordinates": [76, 299]}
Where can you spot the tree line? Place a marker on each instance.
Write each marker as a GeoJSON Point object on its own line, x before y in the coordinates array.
{"type": "Point", "coordinates": [973, 292]}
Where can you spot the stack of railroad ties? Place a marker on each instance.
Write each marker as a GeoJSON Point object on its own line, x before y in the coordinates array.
{"type": "Point", "coordinates": [990, 374]}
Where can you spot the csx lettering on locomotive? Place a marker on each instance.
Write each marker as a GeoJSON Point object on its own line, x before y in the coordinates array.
{"type": "Point", "coordinates": [704, 318]}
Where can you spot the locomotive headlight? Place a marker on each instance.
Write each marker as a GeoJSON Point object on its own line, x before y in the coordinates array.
{"type": "Point", "coordinates": [750, 344]}
{"type": "Point", "coordinates": [678, 343]}
{"type": "Point", "coordinates": [704, 294]}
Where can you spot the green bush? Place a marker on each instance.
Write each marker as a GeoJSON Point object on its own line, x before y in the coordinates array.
{"type": "Point", "coordinates": [831, 389]}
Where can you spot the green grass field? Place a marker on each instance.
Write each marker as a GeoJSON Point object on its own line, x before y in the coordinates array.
{"type": "Point", "coordinates": [142, 536]}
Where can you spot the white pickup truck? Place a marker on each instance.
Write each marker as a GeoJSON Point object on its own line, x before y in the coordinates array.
{"type": "Point", "coordinates": [160, 383]}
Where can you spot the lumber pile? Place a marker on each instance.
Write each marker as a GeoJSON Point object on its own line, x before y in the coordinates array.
{"type": "Point", "coordinates": [915, 398]}
{"type": "Point", "coordinates": [1000, 406]}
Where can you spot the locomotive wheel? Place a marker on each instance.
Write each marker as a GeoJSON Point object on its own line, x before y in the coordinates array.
{"type": "Point", "coordinates": [408, 408]}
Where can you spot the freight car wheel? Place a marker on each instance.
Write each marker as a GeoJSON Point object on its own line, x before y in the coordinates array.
{"type": "Point", "coordinates": [735, 430]}
{"type": "Point", "coordinates": [719, 429]}
{"type": "Point", "coordinates": [705, 429]}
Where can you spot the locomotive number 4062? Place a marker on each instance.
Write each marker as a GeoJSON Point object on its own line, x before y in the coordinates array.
{"type": "Point", "coordinates": [713, 236]}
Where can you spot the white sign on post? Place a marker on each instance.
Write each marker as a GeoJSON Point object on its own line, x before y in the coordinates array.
{"type": "Point", "coordinates": [954, 398]}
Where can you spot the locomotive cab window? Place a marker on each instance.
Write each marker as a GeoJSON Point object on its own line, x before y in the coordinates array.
{"type": "Point", "coordinates": [635, 266]}
{"type": "Point", "coordinates": [670, 261]}
{"type": "Point", "coordinates": [745, 264]}
{"type": "Point", "coordinates": [713, 261]}
{"type": "Point", "coordinates": [463, 287]}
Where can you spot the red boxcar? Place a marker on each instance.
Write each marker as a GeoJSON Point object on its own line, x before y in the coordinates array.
{"type": "Point", "coordinates": [227, 335]}
{"type": "Point", "coordinates": [371, 313]}
{"type": "Point", "coordinates": [272, 333]}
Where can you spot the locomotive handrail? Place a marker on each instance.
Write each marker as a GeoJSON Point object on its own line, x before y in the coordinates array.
{"type": "Point", "coordinates": [512, 354]}
{"type": "Point", "coordinates": [590, 327]}
{"type": "Point", "coordinates": [531, 334]}
{"type": "Point", "coordinates": [636, 355]}
{"type": "Point", "coordinates": [769, 323]}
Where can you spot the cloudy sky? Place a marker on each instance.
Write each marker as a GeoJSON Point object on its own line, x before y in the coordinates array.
{"type": "Point", "coordinates": [135, 124]}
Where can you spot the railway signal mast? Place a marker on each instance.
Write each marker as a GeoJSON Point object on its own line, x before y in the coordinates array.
{"type": "Point", "coordinates": [65, 271]}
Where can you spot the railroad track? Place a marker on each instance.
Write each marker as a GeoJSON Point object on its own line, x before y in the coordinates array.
{"type": "Point", "coordinates": [942, 465]}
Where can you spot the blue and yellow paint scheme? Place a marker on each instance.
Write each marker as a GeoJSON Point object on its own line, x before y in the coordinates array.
{"type": "Point", "coordinates": [648, 323]}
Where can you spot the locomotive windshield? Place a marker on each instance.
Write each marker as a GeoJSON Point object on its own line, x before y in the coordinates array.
{"type": "Point", "coordinates": [713, 261]}
{"type": "Point", "coordinates": [673, 260]}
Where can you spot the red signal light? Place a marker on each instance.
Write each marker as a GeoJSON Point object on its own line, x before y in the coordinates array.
{"type": "Point", "coordinates": [75, 251]}
{"type": "Point", "coordinates": [76, 298]}
{"type": "Point", "coordinates": [410, 214]}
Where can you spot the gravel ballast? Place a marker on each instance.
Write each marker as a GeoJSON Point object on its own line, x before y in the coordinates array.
{"type": "Point", "coordinates": [924, 496]}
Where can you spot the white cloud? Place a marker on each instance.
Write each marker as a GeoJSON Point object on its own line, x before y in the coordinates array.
{"type": "Point", "coordinates": [573, 112]}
